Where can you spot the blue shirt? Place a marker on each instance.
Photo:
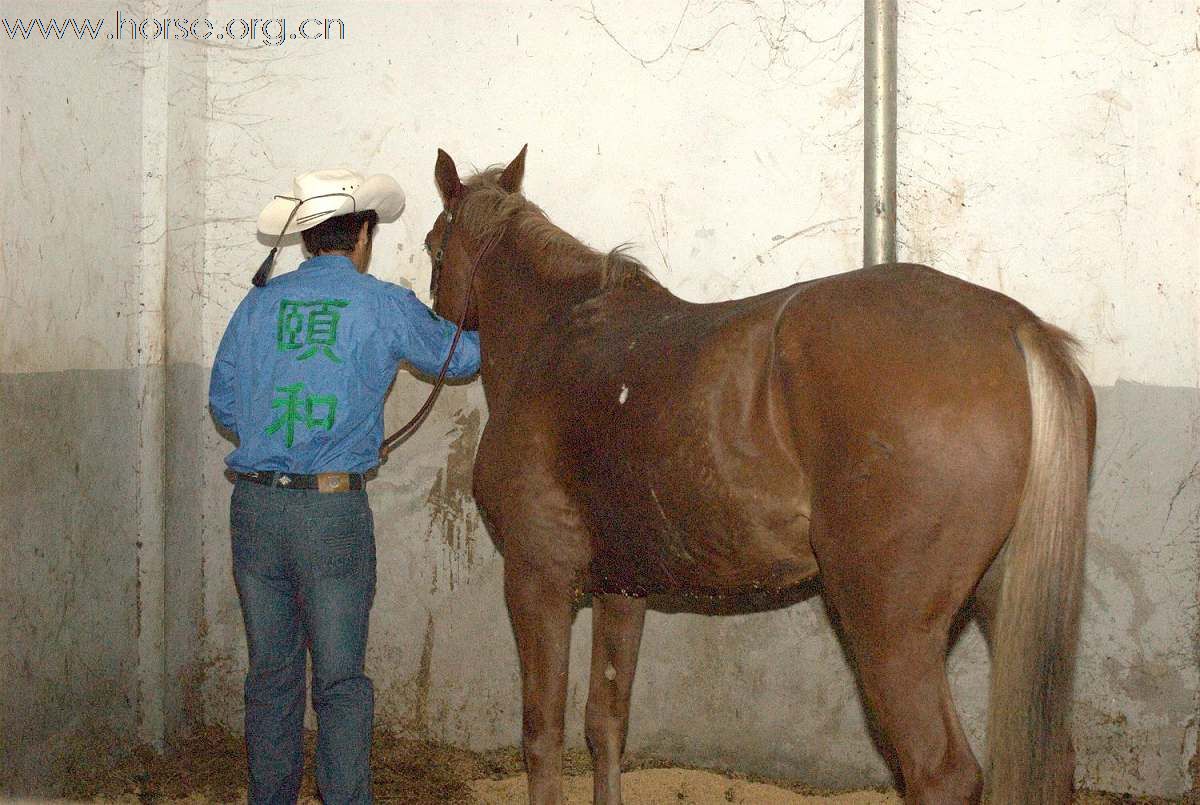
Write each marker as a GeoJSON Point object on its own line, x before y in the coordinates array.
{"type": "Point", "coordinates": [304, 366]}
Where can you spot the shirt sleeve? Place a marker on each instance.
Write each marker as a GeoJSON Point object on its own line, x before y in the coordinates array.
{"type": "Point", "coordinates": [221, 389]}
{"type": "Point", "coordinates": [423, 338]}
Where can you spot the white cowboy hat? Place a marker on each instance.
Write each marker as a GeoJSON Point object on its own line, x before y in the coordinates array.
{"type": "Point", "coordinates": [318, 196]}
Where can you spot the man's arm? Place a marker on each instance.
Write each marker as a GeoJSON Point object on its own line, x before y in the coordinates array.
{"type": "Point", "coordinates": [424, 339]}
{"type": "Point", "coordinates": [221, 396]}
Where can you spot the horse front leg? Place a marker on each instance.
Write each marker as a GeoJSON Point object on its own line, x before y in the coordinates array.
{"type": "Point", "coordinates": [617, 622]}
{"type": "Point", "coordinates": [541, 611]}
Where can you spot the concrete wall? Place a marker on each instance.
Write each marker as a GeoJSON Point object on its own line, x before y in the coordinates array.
{"type": "Point", "coordinates": [1046, 151]}
{"type": "Point", "coordinates": [73, 388]}
{"type": "Point", "coordinates": [101, 145]}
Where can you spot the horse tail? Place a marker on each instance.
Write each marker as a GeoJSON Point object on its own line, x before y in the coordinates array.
{"type": "Point", "coordinates": [1030, 757]}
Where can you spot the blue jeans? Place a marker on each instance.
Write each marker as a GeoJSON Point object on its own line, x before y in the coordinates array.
{"type": "Point", "coordinates": [304, 563]}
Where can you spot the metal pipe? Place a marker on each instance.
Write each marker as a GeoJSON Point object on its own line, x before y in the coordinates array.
{"type": "Point", "coordinates": [879, 133]}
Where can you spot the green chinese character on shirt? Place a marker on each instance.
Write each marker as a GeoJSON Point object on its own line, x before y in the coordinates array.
{"type": "Point", "coordinates": [309, 324]}
{"type": "Point", "coordinates": [291, 405]}
{"type": "Point", "coordinates": [312, 402]}
{"type": "Point", "coordinates": [291, 326]}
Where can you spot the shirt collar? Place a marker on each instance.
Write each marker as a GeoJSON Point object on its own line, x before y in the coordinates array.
{"type": "Point", "coordinates": [328, 261]}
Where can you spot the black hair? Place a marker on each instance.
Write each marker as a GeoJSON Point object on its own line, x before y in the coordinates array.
{"type": "Point", "coordinates": [339, 234]}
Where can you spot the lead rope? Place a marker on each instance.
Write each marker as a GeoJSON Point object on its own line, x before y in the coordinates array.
{"type": "Point", "coordinates": [409, 427]}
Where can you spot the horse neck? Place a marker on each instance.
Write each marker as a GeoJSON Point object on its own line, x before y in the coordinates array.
{"type": "Point", "coordinates": [517, 304]}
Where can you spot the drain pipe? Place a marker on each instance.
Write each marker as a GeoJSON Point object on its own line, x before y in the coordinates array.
{"type": "Point", "coordinates": [879, 133]}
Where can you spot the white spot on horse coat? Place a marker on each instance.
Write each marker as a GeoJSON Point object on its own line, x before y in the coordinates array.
{"type": "Point", "coordinates": [610, 673]}
{"type": "Point", "coordinates": [624, 394]}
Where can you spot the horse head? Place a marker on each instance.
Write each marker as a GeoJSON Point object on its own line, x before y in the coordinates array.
{"type": "Point", "coordinates": [466, 230]}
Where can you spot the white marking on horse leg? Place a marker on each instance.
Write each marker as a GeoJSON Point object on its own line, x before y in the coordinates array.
{"type": "Point", "coordinates": [624, 394]}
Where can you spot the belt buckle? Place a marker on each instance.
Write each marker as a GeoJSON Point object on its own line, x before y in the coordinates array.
{"type": "Point", "coordinates": [333, 482]}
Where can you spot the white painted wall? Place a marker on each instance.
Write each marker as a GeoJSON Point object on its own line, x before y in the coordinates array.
{"type": "Point", "coordinates": [1049, 151]}
{"type": "Point", "coordinates": [71, 215]}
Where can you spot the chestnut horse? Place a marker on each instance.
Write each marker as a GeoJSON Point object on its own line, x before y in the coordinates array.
{"type": "Point", "coordinates": [915, 441]}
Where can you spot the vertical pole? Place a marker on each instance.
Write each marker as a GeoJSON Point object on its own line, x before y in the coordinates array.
{"type": "Point", "coordinates": [879, 133]}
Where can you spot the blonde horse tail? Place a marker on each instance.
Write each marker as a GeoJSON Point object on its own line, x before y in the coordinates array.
{"type": "Point", "coordinates": [1030, 756]}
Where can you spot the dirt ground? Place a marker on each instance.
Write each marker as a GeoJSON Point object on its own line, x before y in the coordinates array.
{"type": "Point", "coordinates": [657, 786]}
{"type": "Point", "coordinates": [211, 767]}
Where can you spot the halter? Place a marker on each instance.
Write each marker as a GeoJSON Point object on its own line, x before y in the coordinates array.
{"type": "Point", "coordinates": [439, 258]}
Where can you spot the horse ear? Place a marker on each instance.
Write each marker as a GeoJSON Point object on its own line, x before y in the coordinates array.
{"type": "Point", "coordinates": [446, 176]}
{"type": "Point", "coordinates": [510, 180]}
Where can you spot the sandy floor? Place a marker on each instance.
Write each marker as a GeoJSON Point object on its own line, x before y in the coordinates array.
{"type": "Point", "coordinates": [210, 767]}
{"type": "Point", "coordinates": [658, 786]}
{"type": "Point", "coordinates": [643, 787]}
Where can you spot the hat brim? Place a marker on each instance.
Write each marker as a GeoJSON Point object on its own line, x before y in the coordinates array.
{"type": "Point", "coordinates": [379, 192]}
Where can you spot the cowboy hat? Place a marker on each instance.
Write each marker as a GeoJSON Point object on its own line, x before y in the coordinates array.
{"type": "Point", "coordinates": [318, 196]}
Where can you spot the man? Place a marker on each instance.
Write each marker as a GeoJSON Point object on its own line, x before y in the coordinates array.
{"type": "Point", "coordinates": [300, 378]}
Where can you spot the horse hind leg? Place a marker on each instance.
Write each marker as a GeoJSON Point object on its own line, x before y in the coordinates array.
{"type": "Point", "coordinates": [896, 616]}
{"type": "Point", "coordinates": [541, 612]}
{"type": "Point", "coordinates": [904, 681]}
{"type": "Point", "coordinates": [617, 622]}
{"type": "Point", "coordinates": [986, 599]}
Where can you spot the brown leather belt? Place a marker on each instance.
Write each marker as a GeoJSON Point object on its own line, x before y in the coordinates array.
{"type": "Point", "coordinates": [322, 482]}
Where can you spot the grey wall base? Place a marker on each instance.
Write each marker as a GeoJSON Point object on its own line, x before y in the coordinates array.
{"type": "Point", "coordinates": [69, 633]}
{"type": "Point", "coordinates": [102, 622]}
{"type": "Point", "coordinates": [768, 693]}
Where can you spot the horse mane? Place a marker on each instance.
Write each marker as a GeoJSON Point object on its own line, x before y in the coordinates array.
{"type": "Point", "coordinates": [489, 209]}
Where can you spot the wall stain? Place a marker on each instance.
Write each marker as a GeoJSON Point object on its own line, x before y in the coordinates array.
{"type": "Point", "coordinates": [452, 509]}
{"type": "Point", "coordinates": [1113, 559]}
{"type": "Point", "coordinates": [405, 706]}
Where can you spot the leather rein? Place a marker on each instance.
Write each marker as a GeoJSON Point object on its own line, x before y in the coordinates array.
{"type": "Point", "coordinates": [439, 259]}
